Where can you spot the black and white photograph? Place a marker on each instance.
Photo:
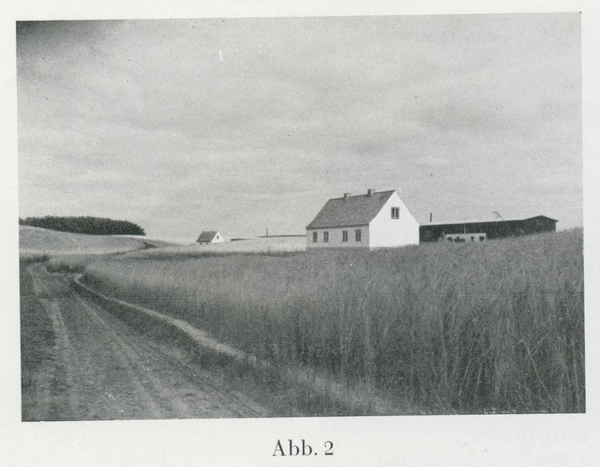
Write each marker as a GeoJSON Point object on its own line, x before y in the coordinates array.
{"type": "Point", "coordinates": [330, 223]}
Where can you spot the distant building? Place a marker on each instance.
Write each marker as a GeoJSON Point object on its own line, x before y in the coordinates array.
{"type": "Point", "coordinates": [372, 220]}
{"type": "Point", "coordinates": [210, 236]}
{"type": "Point", "coordinates": [482, 231]}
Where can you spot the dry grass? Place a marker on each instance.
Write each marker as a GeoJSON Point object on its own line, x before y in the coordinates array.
{"type": "Point", "coordinates": [37, 340]}
{"type": "Point", "coordinates": [251, 245]}
{"type": "Point", "coordinates": [495, 327]}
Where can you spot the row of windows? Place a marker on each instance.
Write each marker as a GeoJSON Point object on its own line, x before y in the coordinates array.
{"type": "Point", "coordinates": [357, 236]}
{"type": "Point", "coordinates": [357, 233]}
{"type": "Point", "coordinates": [460, 239]}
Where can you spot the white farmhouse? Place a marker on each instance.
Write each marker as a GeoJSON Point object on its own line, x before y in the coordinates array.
{"type": "Point", "coordinates": [210, 236]}
{"type": "Point", "coordinates": [374, 220]}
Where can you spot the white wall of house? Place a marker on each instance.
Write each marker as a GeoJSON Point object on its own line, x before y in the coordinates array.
{"type": "Point", "coordinates": [386, 231]}
{"type": "Point", "coordinates": [336, 238]}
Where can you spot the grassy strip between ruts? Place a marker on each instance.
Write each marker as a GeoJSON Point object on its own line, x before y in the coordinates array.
{"type": "Point", "coordinates": [492, 327]}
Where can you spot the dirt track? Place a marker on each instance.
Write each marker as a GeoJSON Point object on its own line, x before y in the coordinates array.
{"type": "Point", "coordinates": [98, 367]}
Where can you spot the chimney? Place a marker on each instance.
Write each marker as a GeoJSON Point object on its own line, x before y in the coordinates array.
{"type": "Point", "coordinates": [370, 192]}
{"type": "Point", "coordinates": [346, 196]}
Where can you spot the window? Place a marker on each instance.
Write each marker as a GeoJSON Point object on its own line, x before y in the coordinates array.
{"type": "Point", "coordinates": [315, 237]}
{"type": "Point", "coordinates": [344, 236]}
{"type": "Point", "coordinates": [472, 239]}
{"type": "Point", "coordinates": [357, 235]}
{"type": "Point", "coordinates": [395, 213]}
{"type": "Point", "coordinates": [325, 237]}
{"type": "Point", "coordinates": [482, 238]}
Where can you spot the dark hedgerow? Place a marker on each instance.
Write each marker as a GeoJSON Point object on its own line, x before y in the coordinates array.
{"type": "Point", "coordinates": [84, 225]}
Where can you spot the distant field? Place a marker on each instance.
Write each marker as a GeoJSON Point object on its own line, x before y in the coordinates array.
{"type": "Point", "coordinates": [34, 241]}
{"type": "Point", "coordinates": [250, 245]}
{"type": "Point", "coordinates": [493, 327]}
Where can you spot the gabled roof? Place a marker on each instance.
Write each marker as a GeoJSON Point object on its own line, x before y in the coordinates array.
{"type": "Point", "coordinates": [352, 211]}
{"type": "Point", "coordinates": [207, 236]}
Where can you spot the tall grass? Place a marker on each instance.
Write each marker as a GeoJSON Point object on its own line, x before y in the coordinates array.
{"type": "Point", "coordinates": [494, 327]}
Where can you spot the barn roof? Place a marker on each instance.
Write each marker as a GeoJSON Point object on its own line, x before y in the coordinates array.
{"type": "Point", "coordinates": [472, 222]}
{"type": "Point", "coordinates": [207, 236]}
{"type": "Point", "coordinates": [493, 229]}
{"type": "Point", "coordinates": [351, 211]}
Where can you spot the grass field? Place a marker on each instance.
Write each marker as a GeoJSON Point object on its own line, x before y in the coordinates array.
{"type": "Point", "coordinates": [37, 339]}
{"type": "Point", "coordinates": [37, 243]}
{"type": "Point", "coordinates": [493, 327]}
{"type": "Point", "coordinates": [250, 245]}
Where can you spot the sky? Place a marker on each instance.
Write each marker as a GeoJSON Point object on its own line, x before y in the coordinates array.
{"type": "Point", "coordinates": [243, 125]}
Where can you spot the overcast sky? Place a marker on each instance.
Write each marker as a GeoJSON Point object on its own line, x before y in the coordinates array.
{"type": "Point", "coordinates": [239, 125]}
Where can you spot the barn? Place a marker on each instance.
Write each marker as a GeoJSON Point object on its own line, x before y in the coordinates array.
{"type": "Point", "coordinates": [210, 236]}
{"type": "Point", "coordinates": [482, 231]}
{"type": "Point", "coordinates": [371, 220]}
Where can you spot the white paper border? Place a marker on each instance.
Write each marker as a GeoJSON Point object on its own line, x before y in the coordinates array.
{"type": "Point", "coordinates": [421, 440]}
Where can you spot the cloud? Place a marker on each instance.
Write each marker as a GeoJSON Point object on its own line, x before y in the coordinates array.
{"type": "Point", "coordinates": [145, 113]}
{"type": "Point", "coordinates": [432, 161]}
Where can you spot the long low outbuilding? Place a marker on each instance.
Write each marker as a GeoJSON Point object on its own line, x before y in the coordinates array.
{"type": "Point", "coordinates": [482, 231]}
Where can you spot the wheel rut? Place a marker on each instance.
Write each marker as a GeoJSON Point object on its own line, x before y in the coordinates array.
{"type": "Point", "coordinates": [102, 368]}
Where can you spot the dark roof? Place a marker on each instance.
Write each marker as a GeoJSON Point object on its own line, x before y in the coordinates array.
{"type": "Point", "coordinates": [206, 236]}
{"type": "Point", "coordinates": [473, 222]}
{"type": "Point", "coordinates": [353, 211]}
{"type": "Point", "coordinates": [539, 217]}
{"type": "Point", "coordinates": [493, 229]}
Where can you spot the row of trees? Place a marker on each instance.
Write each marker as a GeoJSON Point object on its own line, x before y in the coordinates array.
{"type": "Point", "coordinates": [84, 225]}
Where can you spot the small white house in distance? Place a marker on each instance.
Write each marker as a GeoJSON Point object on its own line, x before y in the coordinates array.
{"type": "Point", "coordinates": [210, 236]}
{"type": "Point", "coordinates": [373, 220]}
